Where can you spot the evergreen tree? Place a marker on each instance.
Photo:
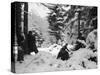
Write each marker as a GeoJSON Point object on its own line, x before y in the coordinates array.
{"type": "Point", "coordinates": [76, 20]}
{"type": "Point", "coordinates": [56, 21]}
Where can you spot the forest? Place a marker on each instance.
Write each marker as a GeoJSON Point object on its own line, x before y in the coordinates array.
{"type": "Point", "coordinates": [69, 43]}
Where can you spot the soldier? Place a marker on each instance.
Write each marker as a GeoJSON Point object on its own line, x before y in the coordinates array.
{"type": "Point", "coordinates": [31, 43]}
{"type": "Point", "coordinates": [63, 53]}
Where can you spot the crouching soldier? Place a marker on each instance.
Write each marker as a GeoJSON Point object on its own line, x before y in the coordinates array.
{"type": "Point", "coordinates": [63, 53]}
{"type": "Point", "coordinates": [79, 44]}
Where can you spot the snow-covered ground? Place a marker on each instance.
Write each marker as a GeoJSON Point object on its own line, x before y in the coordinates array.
{"type": "Point", "coordinates": [46, 61]}
{"type": "Point", "coordinates": [53, 49]}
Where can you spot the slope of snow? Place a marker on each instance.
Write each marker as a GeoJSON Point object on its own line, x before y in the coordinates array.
{"type": "Point", "coordinates": [46, 62]}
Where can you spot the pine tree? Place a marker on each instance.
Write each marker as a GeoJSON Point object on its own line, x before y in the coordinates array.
{"type": "Point", "coordinates": [56, 21]}
{"type": "Point", "coordinates": [76, 20]}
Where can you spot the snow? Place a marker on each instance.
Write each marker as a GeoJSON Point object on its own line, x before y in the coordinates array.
{"type": "Point", "coordinates": [46, 61]}
{"type": "Point", "coordinates": [82, 56]}
{"type": "Point", "coordinates": [70, 47]}
{"type": "Point", "coordinates": [53, 49]}
{"type": "Point", "coordinates": [92, 39]}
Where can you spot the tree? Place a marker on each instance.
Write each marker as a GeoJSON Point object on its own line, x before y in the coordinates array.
{"type": "Point", "coordinates": [56, 21]}
{"type": "Point", "coordinates": [76, 20]}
